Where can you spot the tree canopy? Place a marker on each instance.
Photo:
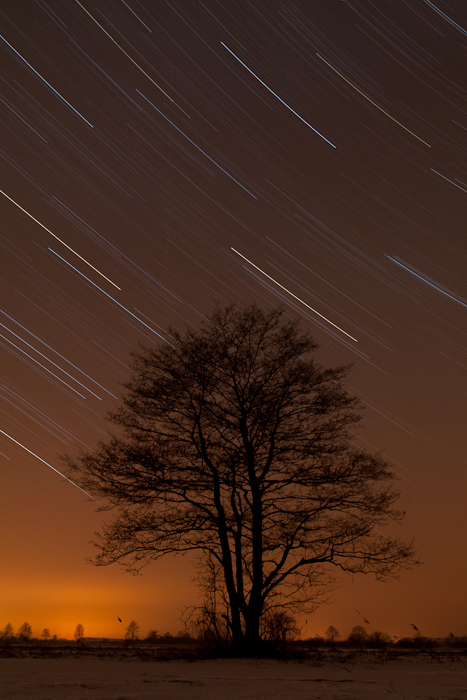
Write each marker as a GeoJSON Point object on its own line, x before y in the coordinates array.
{"type": "Point", "coordinates": [232, 441]}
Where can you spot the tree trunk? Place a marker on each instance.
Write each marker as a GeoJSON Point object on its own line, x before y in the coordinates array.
{"type": "Point", "coordinates": [236, 622]}
{"type": "Point", "coordinates": [252, 641]}
{"type": "Point", "coordinates": [255, 603]}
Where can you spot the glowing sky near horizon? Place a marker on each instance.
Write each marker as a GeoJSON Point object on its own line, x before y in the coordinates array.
{"type": "Point", "coordinates": [304, 153]}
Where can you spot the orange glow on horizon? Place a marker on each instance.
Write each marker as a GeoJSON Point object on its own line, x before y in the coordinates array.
{"type": "Point", "coordinates": [60, 606]}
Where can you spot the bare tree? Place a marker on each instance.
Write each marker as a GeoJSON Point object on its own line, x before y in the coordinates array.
{"type": "Point", "coordinates": [25, 632]}
{"type": "Point", "coordinates": [46, 634]}
{"type": "Point", "coordinates": [233, 442]}
{"type": "Point", "coordinates": [7, 633]}
{"type": "Point", "coordinates": [332, 634]}
{"type": "Point", "coordinates": [209, 620]}
{"type": "Point", "coordinates": [78, 634]}
{"type": "Point", "coordinates": [132, 631]}
{"type": "Point", "coordinates": [279, 626]}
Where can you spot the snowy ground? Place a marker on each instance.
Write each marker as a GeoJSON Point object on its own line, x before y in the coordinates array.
{"type": "Point", "coordinates": [366, 678]}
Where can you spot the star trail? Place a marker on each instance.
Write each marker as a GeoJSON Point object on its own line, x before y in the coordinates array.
{"type": "Point", "coordinates": [179, 154]}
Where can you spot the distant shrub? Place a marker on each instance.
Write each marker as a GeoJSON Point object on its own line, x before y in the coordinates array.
{"type": "Point", "coordinates": [456, 642]}
{"type": "Point", "coordinates": [316, 641]}
{"type": "Point", "coordinates": [378, 640]}
{"type": "Point", "coordinates": [153, 637]}
{"type": "Point", "coordinates": [416, 643]}
{"type": "Point", "coordinates": [279, 627]}
{"type": "Point", "coordinates": [184, 636]}
{"type": "Point", "coordinates": [358, 637]}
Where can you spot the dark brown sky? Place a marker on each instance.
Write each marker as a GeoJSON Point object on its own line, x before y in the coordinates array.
{"type": "Point", "coordinates": [157, 157]}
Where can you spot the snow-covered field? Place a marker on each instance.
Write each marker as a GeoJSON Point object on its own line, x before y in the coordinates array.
{"type": "Point", "coordinates": [365, 678]}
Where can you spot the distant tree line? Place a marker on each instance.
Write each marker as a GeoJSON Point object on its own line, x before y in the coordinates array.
{"type": "Point", "coordinates": [361, 638]}
{"type": "Point", "coordinates": [279, 628]}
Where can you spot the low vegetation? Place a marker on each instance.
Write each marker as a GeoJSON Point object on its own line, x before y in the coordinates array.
{"type": "Point", "coordinates": [282, 639]}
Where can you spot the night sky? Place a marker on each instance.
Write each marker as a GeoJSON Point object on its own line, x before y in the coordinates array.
{"type": "Point", "coordinates": [160, 156]}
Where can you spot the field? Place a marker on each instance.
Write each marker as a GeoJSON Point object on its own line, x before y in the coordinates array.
{"type": "Point", "coordinates": [367, 675]}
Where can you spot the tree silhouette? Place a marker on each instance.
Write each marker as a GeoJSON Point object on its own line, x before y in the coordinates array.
{"type": "Point", "coordinates": [358, 636]}
{"type": "Point", "coordinates": [379, 639]}
{"type": "Point", "coordinates": [78, 634]}
{"type": "Point", "coordinates": [233, 442]}
{"type": "Point", "coordinates": [132, 631]}
{"type": "Point", "coordinates": [279, 626]}
{"type": "Point", "coordinates": [8, 632]}
{"type": "Point", "coordinates": [25, 632]}
{"type": "Point", "coordinates": [45, 634]}
{"type": "Point", "coordinates": [332, 634]}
